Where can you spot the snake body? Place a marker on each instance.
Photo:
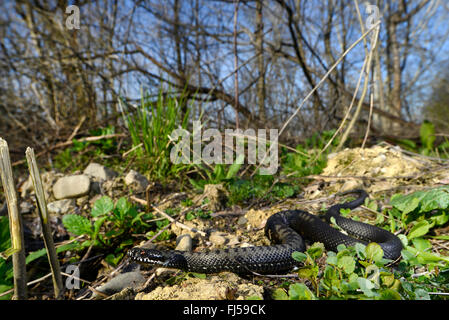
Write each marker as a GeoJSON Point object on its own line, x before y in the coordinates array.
{"type": "Point", "coordinates": [286, 229]}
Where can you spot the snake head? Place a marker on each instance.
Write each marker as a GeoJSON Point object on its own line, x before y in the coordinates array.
{"type": "Point", "coordinates": [149, 256]}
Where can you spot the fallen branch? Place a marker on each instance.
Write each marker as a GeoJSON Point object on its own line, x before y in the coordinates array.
{"type": "Point", "coordinates": [68, 143]}
{"type": "Point", "coordinates": [162, 213]}
{"type": "Point", "coordinates": [15, 225]}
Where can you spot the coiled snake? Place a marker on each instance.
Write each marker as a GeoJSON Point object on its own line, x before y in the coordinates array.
{"type": "Point", "coordinates": [287, 229]}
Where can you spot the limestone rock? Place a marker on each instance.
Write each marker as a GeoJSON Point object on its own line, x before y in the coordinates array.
{"type": "Point", "coordinates": [136, 180]}
{"type": "Point", "coordinates": [61, 206]}
{"type": "Point", "coordinates": [71, 186]}
{"type": "Point", "coordinates": [225, 285]}
{"type": "Point", "coordinates": [99, 171]}
{"type": "Point", "coordinates": [131, 279]}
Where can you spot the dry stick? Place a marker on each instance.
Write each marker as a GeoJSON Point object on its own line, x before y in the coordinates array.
{"type": "Point", "coordinates": [236, 75]}
{"type": "Point", "coordinates": [68, 143]}
{"type": "Point", "coordinates": [362, 28]}
{"type": "Point", "coordinates": [162, 213]}
{"type": "Point", "coordinates": [366, 72]}
{"type": "Point", "coordinates": [45, 224]}
{"type": "Point", "coordinates": [316, 87]}
{"type": "Point", "coordinates": [15, 224]}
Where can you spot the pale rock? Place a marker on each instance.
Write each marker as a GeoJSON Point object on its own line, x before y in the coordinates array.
{"type": "Point", "coordinates": [71, 186]}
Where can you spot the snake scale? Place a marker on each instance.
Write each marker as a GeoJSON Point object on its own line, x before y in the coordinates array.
{"type": "Point", "coordinates": [286, 229]}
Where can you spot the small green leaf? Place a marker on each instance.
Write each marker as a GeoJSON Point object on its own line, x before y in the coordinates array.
{"type": "Point", "coordinates": [422, 244]}
{"type": "Point", "coordinates": [77, 224]}
{"type": "Point", "coordinates": [299, 256]}
{"type": "Point", "coordinates": [299, 291]}
{"type": "Point", "coordinates": [316, 250]}
{"type": "Point", "coordinates": [366, 286]}
{"type": "Point", "coordinates": [419, 229]}
{"type": "Point", "coordinates": [374, 252]}
{"type": "Point", "coordinates": [389, 294]}
{"type": "Point", "coordinates": [235, 167]}
{"type": "Point", "coordinates": [360, 249]}
{"type": "Point", "coordinates": [332, 258]}
{"type": "Point", "coordinates": [97, 225]}
{"type": "Point", "coordinates": [421, 294]}
{"type": "Point", "coordinates": [198, 275]}
{"type": "Point", "coordinates": [102, 206]}
{"type": "Point", "coordinates": [308, 272]}
{"type": "Point", "coordinates": [122, 205]}
{"type": "Point", "coordinates": [280, 294]}
{"type": "Point", "coordinates": [346, 263]}
{"type": "Point", "coordinates": [427, 134]}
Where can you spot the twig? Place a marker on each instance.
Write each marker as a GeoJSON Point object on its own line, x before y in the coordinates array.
{"type": "Point", "coordinates": [179, 224]}
{"type": "Point", "coordinates": [236, 75]}
{"type": "Point", "coordinates": [68, 143]}
{"type": "Point", "coordinates": [15, 224]}
{"type": "Point", "coordinates": [162, 213]}
{"type": "Point", "coordinates": [46, 229]}
{"type": "Point", "coordinates": [316, 88]}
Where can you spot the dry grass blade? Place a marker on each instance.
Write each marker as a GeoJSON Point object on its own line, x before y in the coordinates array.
{"type": "Point", "coordinates": [15, 224]}
{"type": "Point", "coordinates": [46, 229]}
{"type": "Point", "coordinates": [339, 60]}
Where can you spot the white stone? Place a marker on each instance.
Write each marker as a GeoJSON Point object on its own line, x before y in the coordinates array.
{"type": "Point", "coordinates": [71, 186]}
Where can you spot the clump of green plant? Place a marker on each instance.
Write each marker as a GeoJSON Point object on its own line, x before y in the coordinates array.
{"type": "Point", "coordinates": [6, 272]}
{"type": "Point", "coordinates": [242, 190]}
{"type": "Point", "coordinates": [301, 163]}
{"type": "Point", "coordinates": [418, 213]}
{"type": "Point", "coordinates": [358, 272]}
{"type": "Point", "coordinates": [111, 226]}
{"type": "Point", "coordinates": [150, 126]}
{"type": "Point", "coordinates": [80, 153]}
{"type": "Point", "coordinates": [428, 140]}
{"type": "Point", "coordinates": [220, 173]}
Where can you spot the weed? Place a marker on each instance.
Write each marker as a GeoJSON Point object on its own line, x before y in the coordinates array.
{"type": "Point", "coordinates": [150, 126]}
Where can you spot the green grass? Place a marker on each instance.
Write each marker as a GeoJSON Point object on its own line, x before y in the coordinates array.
{"type": "Point", "coordinates": [150, 126]}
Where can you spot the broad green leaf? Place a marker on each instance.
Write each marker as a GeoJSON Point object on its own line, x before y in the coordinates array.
{"type": "Point", "coordinates": [389, 294]}
{"type": "Point", "coordinates": [299, 256]}
{"type": "Point", "coordinates": [235, 167]}
{"type": "Point", "coordinates": [280, 294]}
{"type": "Point", "coordinates": [102, 206]}
{"type": "Point", "coordinates": [366, 286]}
{"type": "Point", "coordinates": [420, 229]}
{"type": "Point", "coordinates": [77, 224]}
{"type": "Point", "coordinates": [440, 218]}
{"type": "Point", "coordinates": [405, 204]}
{"type": "Point", "coordinates": [427, 134]}
{"type": "Point", "coordinates": [360, 249]}
{"type": "Point", "coordinates": [299, 291]}
{"type": "Point", "coordinates": [421, 294]}
{"type": "Point", "coordinates": [198, 275]}
{"type": "Point", "coordinates": [374, 252]}
{"type": "Point", "coordinates": [308, 272]}
{"type": "Point", "coordinates": [346, 263]}
{"type": "Point", "coordinates": [42, 252]}
{"type": "Point", "coordinates": [422, 244]}
{"type": "Point", "coordinates": [123, 206]}
{"type": "Point", "coordinates": [427, 200]}
{"type": "Point", "coordinates": [437, 198]}
{"type": "Point", "coordinates": [316, 250]}
{"type": "Point", "coordinates": [424, 257]}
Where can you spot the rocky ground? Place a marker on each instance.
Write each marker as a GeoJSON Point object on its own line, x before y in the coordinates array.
{"type": "Point", "coordinates": [381, 170]}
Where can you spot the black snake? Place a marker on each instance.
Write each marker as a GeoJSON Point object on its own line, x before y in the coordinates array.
{"type": "Point", "coordinates": [287, 229]}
